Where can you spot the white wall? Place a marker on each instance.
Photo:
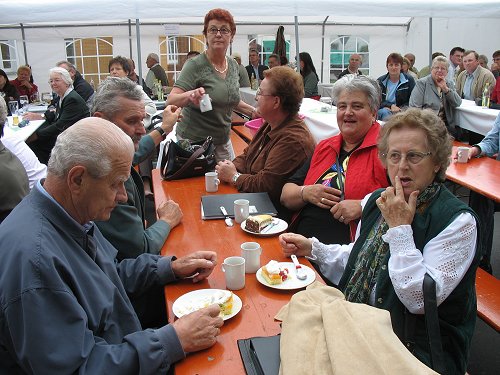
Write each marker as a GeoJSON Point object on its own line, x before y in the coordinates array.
{"type": "Point", "coordinates": [46, 46]}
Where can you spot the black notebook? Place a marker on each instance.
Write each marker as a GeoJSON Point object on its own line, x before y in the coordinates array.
{"type": "Point", "coordinates": [260, 203]}
{"type": "Point", "coordinates": [260, 355]}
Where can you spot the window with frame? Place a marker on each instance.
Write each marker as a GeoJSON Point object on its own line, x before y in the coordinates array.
{"type": "Point", "coordinates": [90, 56]}
{"type": "Point", "coordinates": [264, 44]}
{"type": "Point", "coordinates": [8, 56]}
{"type": "Point", "coordinates": [173, 52]}
{"type": "Point", "coordinates": [341, 49]}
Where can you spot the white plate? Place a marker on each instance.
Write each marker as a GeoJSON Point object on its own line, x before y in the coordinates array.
{"type": "Point", "coordinates": [291, 282]}
{"type": "Point", "coordinates": [277, 229]}
{"type": "Point", "coordinates": [197, 296]}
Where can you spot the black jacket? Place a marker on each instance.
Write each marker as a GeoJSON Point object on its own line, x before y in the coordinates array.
{"type": "Point", "coordinates": [403, 91]}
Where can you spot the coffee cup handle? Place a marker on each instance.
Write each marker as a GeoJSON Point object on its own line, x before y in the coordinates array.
{"type": "Point", "coordinates": [217, 181]}
{"type": "Point", "coordinates": [223, 269]}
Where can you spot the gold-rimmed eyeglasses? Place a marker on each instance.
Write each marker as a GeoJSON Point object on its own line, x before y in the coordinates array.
{"type": "Point", "coordinates": [413, 157]}
{"type": "Point", "coordinates": [259, 93]}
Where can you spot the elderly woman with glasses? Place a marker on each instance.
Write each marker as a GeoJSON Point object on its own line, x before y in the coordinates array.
{"type": "Point", "coordinates": [217, 75]}
{"type": "Point", "coordinates": [412, 228]}
{"type": "Point", "coordinates": [69, 108]}
{"type": "Point", "coordinates": [282, 144]}
{"type": "Point", "coordinates": [438, 93]}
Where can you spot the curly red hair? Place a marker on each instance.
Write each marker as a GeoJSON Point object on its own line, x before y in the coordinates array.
{"type": "Point", "coordinates": [220, 15]}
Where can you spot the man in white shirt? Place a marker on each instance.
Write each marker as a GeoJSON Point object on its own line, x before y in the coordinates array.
{"type": "Point", "coordinates": [456, 55]}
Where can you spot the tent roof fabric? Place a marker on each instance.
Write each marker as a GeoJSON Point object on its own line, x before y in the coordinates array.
{"type": "Point", "coordinates": [59, 11]}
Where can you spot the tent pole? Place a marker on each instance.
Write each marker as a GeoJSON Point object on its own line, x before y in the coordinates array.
{"type": "Point", "coordinates": [24, 45]}
{"type": "Point", "coordinates": [430, 41]}
{"type": "Point", "coordinates": [297, 43]}
{"type": "Point", "coordinates": [139, 57]}
{"type": "Point", "coordinates": [130, 37]}
{"type": "Point", "coordinates": [323, 46]}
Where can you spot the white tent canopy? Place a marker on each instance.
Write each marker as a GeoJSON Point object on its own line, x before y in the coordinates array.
{"type": "Point", "coordinates": [39, 27]}
{"type": "Point", "coordinates": [56, 11]}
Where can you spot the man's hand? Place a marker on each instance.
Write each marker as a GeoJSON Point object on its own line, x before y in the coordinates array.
{"type": "Point", "coordinates": [170, 116]}
{"type": "Point", "coordinates": [200, 264]}
{"type": "Point", "coordinates": [170, 212]}
{"type": "Point", "coordinates": [199, 330]}
{"type": "Point", "coordinates": [225, 170]}
{"type": "Point", "coordinates": [293, 243]}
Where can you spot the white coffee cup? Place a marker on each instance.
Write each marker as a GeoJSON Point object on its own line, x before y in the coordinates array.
{"type": "Point", "coordinates": [463, 154]}
{"type": "Point", "coordinates": [234, 270]}
{"type": "Point", "coordinates": [241, 207]}
{"type": "Point", "coordinates": [205, 103]}
{"type": "Point", "coordinates": [211, 182]}
{"type": "Point", "coordinates": [251, 252]}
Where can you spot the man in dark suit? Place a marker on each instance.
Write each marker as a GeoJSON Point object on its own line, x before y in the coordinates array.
{"type": "Point", "coordinates": [80, 85]}
{"type": "Point", "coordinates": [255, 67]}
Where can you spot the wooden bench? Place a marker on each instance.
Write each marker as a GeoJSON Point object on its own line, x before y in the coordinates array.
{"type": "Point", "coordinates": [488, 298]}
{"type": "Point", "coordinates": [238, 143]}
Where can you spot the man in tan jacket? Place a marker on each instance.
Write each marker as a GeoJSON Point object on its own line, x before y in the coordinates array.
{"type": "Point", "coordinates": [471, 82]}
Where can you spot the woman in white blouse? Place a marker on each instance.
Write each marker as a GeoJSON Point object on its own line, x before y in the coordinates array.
{"type": "Point", "coordinates": [414, 227]}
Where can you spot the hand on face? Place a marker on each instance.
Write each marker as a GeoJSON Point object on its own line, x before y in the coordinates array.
{"type": "Point", "coordinates": [293, 243]}
{"type": "Point", "coordinates": [393, 206]}
{"type": "Point", "coordinates": [200, 263]}
{"type": "Point", "coordinates": [199, 330]}
{"type": "Point", "coordinates": [226, 170]}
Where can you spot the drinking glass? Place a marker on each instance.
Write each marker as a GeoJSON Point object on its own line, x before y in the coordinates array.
{"type": "Point", "coordinates": [23, 100]}
{"type": "Point", "coordinates": [13, 107]}
{"type": "Point", "coordinates": [46, 97]}
{"type": "Point", "coordinates": [35, 98]}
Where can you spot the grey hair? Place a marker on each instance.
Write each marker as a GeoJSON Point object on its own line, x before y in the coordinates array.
{"type": "Point", "coordinates": [3, 114]}
{"type": "Point", "coordinates": [438, 139]}
{"type": "Point", "coordinates": [93, 143]}
{"type": "Point", "coordinates": [112, 88]}
{"type": "Point", "coordinates": [154, 56]}
{"type": "Point", "coordinates": [64, 74]}
{"type": "Point", "coordinates": [440, 59]}
{"type": "Point", "coordinates": [65, 62]}
{"type": "Point", "coordinates": [352, 82]}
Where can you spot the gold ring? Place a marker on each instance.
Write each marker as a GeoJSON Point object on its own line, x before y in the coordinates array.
{"type": "Point", "coordinates": [322, 200]}
{"type": "Point", "coordinates": [341, 219]}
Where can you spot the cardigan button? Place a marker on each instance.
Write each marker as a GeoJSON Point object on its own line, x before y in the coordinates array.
{"type": "Point", "coordinates": [384, 267]}
{"type": "Point", "coordinates": [380, 300]}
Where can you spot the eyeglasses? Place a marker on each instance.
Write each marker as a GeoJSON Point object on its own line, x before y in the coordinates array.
{"type": "Point", "coordinates": [413, 157]}
{"type": "Point", "coordinates": [56, 80]}
{"type": "Point", "coordinates": [259, 93]}
{"type": "Point", "coordinates": [222, 30]}
{"type": "Point", "coordinates": [440, 68]}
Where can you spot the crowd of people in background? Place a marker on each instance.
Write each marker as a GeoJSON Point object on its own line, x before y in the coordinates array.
{"type": "Point", "coordinates": [339, 196]}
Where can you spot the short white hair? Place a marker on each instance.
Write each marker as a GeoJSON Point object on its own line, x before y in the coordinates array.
{"type": "Point", "coordinates": [91, 142]}
{"type": "Point", "coordinates": [154, 56]}
{"type": "Point", "coordinates": [64, 74]}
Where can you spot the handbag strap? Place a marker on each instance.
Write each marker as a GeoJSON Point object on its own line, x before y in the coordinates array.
{"type": "Point", "coordinates": [192, 158]}
{"type": "Point", "coordinates": [432, 324]}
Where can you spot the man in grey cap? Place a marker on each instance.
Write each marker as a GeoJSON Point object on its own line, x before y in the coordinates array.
{"type": "Point", "coordinates": [155, 72]}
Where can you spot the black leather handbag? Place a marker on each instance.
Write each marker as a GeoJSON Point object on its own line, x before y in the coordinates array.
{"type": "Point", "coordinates": [178, 162]}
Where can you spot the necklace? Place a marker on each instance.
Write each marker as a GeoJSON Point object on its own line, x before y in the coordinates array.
{"type": "Point", "coordinates": [225, 66]}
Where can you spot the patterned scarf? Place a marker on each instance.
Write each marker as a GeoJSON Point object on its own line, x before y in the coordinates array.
{"type": "Point", "coordinates": [373, 252]}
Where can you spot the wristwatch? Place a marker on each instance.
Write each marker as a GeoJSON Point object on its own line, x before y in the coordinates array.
{"type": "Point", "coordinates": [160, 130]}
{"type": "Point", "coordinates": [235, 177]}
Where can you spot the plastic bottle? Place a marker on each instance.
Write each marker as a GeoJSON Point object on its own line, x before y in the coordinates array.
{"type": "Point", "coordinates": [253, 82]}
{"type": "Point", "coordinates": [485, 102]}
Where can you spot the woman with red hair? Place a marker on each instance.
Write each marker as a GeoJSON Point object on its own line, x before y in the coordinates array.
{"type": "Point", "coordinates": [215, 74]}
